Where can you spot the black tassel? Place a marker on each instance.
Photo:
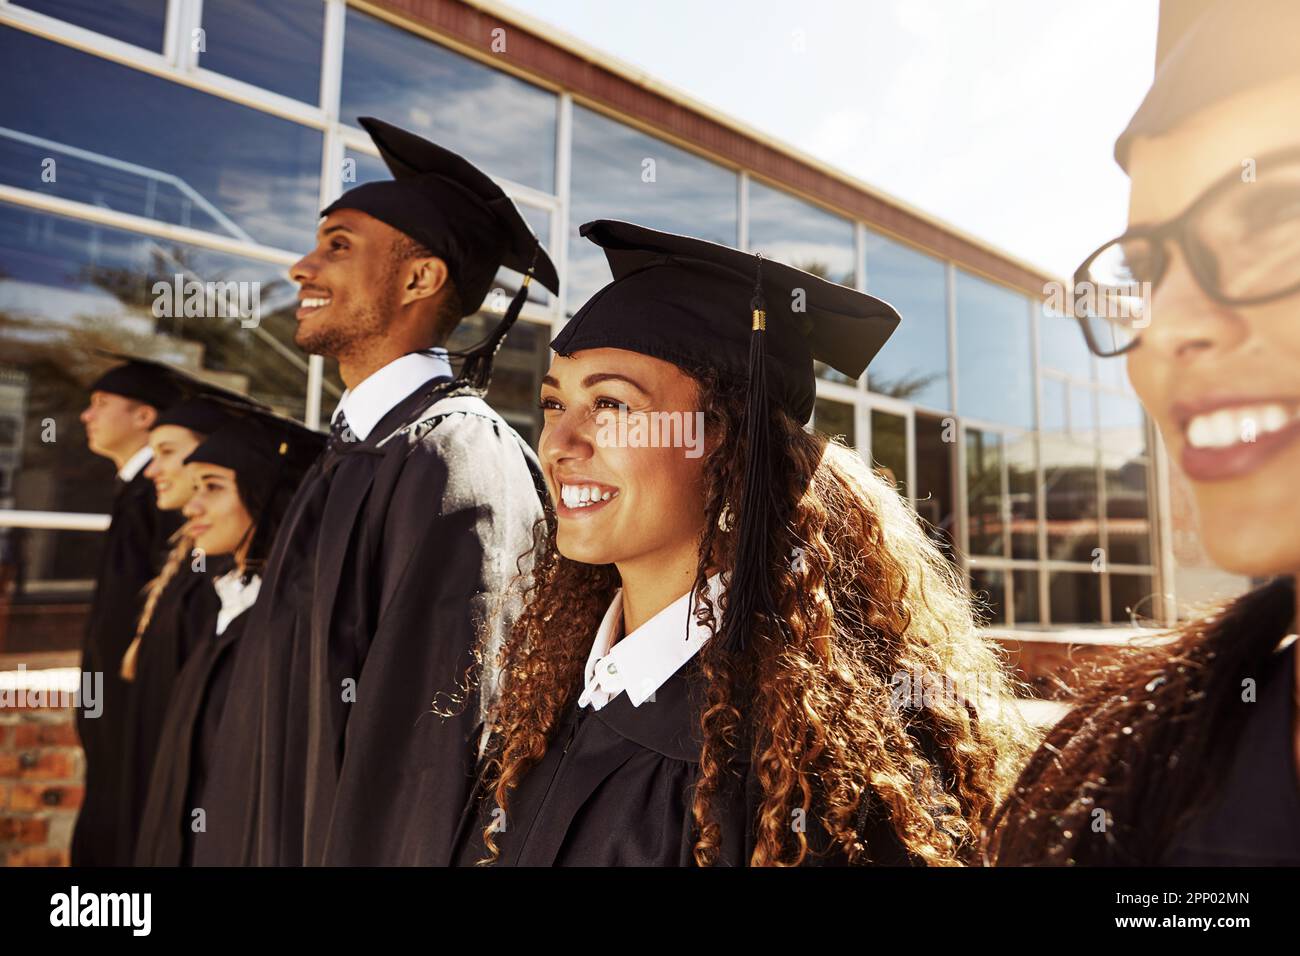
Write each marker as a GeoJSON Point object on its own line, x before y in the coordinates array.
{"type": "Point", "coordinates": [749, 591]}
{"type": "Point", "coordinates": [477, 370]}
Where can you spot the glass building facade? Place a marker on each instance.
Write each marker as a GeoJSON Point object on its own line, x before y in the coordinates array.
{"type": "Point", "coordinates": [145, 139]}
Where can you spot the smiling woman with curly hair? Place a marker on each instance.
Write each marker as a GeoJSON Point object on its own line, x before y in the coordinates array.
{"type": "Point", "coordinates": [738, 647]}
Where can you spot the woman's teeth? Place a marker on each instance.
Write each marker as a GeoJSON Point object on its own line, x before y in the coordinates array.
{"type": "Point", "coordinates": [1245, 423]}
{"type": "Point", "coordinates": [584, 496]}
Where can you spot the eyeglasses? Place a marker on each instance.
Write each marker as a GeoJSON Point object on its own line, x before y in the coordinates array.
{"type": "Point", "coordinates": [1240, 240]}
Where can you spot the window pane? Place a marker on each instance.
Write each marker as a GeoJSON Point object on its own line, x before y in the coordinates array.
{"type": "Point", "coordinates": [1063, 347]}
{"type": "Point", "coordinates": [1076, 597]}
{"type": "Point", "coordinates": [1028, 610]}
{"type": "Point", "coordinates": [993, 356]}
{"type": "Point", "coordinates": [496, 121]}
{"type": "Point", "coordinates": [1128, 520]}
{"type": "Point", "coordinates": [141, 22]}
{"type": "Point", "coordinates": [835, 419]}
{"type": "Point", "coordinates": [989, 589]}
{"type": "Point", "coordinates": [1022, 483]}
{"type": "Point", "coordinates": [1083, 422]}
{"type": "Point", "coordinates": [276, 46]}
{"type": "Point", "coordinates": [913, 365]}
{"type": "Point", "coordinates": [984, 493]}
{"type": "Point", "coordinates": [1132, 596]}
{"type": "Point", "coordinates": [889, 448]}
{"type": "Point", "coordinates": [68, 286]}
{"type": "Point", "coordinates": [935, 440]}
{"type": "Point", "coordinates": [517, 372]}
{"type": "Point", "coordinates": [47, 577]}
{"type": "Point", "coordinates": [212, 165]}
{"type": "Point", "coordinates": [622, 173]}
{"type": "Point", "coordinates": [1073, 527]}
{"type": "Point", "coordinates": [1056, 406]}
{"type": "Point", "coordinates": [800, 234]}
{"type": "Point", "coordinates": [1123, 429]}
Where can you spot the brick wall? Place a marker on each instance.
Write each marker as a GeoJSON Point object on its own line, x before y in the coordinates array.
{"type": "Point", "coordinates": [41, 783]}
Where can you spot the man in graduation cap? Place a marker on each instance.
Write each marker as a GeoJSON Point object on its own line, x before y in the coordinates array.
{"type": "Point", "coordinates": [400, 539]}
{"type": "Point", "coordinates": [125, 402]}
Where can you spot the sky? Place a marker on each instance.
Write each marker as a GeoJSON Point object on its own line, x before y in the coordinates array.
{"type": "Point", "coordinates": [997, 116]}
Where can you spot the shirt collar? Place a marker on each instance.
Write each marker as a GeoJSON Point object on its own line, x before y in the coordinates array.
{"type": "Point", "coordinates": [135, 464]}
{"type": "Point", "coordinates": [643, 661]}
{"type": "Point", "coordinates": [236, 595]}
{"type": "Point", "coordinates": [379, 394]}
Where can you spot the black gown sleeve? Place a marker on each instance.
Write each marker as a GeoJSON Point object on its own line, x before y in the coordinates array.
{"type": "Point", "coordinates": [459, 514]}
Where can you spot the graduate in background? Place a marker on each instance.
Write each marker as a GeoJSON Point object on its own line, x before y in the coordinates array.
{"type": "Point", "coordinates": [745, 652]}
{"type": "Point", "coordinates": [124, 404]}
{"type": "Point", "coordinates": [181, 605]}
{"type": "Point", "coordinates": [402, 537]}
{"type": "Point", "coordinates": [243, 477]}
{"type": "Point", "coordinates": [1188, 753]}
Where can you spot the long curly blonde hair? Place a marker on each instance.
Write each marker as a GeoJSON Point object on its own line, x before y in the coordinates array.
{"type": "Point", "coordinates": [870, 600]}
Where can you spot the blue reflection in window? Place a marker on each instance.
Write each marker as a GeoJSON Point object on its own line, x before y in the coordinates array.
{"type": "Point", "coordinates": [500, 123]}
{"type": "Point", "coordinates": [1063, 347]}
{"type": "Point", "coordinates": [913, 365]}
{"type": "Point", "coordinates": [131, 142]}
{"type": "Point", "coordinates": [993, 353]}
{"type": "Point", "coordinates": [141, 22]}
{"type": "Point", "coordinates": [276, 46]}
{"type": "Point", "coordinates": [799, 234]}
{"type": "Point", "coordinates": [71, 284]}
{"type": "Point", "coordinates": [622, 173]}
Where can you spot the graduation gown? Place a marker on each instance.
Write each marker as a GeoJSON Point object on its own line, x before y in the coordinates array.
{"type": "Point", "coordinates": [190, 739]}
{"type": "Point", "coordinates": [134, 548]}
{"type": "Point", "coordinates": [184, 616]}
{"type": "Point", "coordinates": [1254, 817]}
{"type": "Point", "coordinates": [388, 561]}
{"type": "Point", "coordinates": [615, 788]}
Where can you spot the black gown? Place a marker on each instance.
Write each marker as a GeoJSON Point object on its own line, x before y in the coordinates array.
{"type": "Point", "coordinates": [615, 787]}
{"type": "Point", "coordinates": [388, 561]}
{"type": "Point", "coordinates": [1254, 817]}
{"type": "Point", "coordinates": [134, 548]}
{"type": "Point", "coordinates": [189, 743]}
{"type": "Point", "coordinates": [185, 614]}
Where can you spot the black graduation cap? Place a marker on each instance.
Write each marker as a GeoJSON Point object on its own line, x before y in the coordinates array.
{"type": "Point", "coordinates": [199, 414]}
{"type": "Point", "coordinates": [140, 380]}
{"type": "Point", "coordinates": [685, 300]}
{"type": "Point", "coordinates": [169, 386]}
{"type": "Point", "coordinates": [1209, 50]}
{"type": "Point", "coordinates": [269, 455]}
{"type": "Point", "coordinates": [449, 205]}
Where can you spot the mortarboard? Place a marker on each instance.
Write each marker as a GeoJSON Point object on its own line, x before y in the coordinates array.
{"type": "Point", "coordinates": [684, 300]}
{"type": "Point", "coordinates": [1210, 50]}
{"type": "Point", "coordinates": [449, 205]}
{"type": "Point", "coordinates": [268, 454]}
{"type": "Point", "coordinates": [142, 381]}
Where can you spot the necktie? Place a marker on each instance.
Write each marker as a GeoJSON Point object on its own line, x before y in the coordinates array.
{"type": "Point", "coordinates": [341, 434]}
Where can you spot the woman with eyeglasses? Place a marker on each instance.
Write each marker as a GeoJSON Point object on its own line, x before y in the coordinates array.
{"type": "Point", "coordinates": [1187, 753]}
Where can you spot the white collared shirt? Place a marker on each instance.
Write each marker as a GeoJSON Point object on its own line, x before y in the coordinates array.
{"type": "Point", "coordinates": [135, 464]}
{"type": "Point", "coordinates": [642, 662]}
{"type": "Point", "coordinates": [236, 596]}
{"type": "Point", "coordinates": [379, 394]}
